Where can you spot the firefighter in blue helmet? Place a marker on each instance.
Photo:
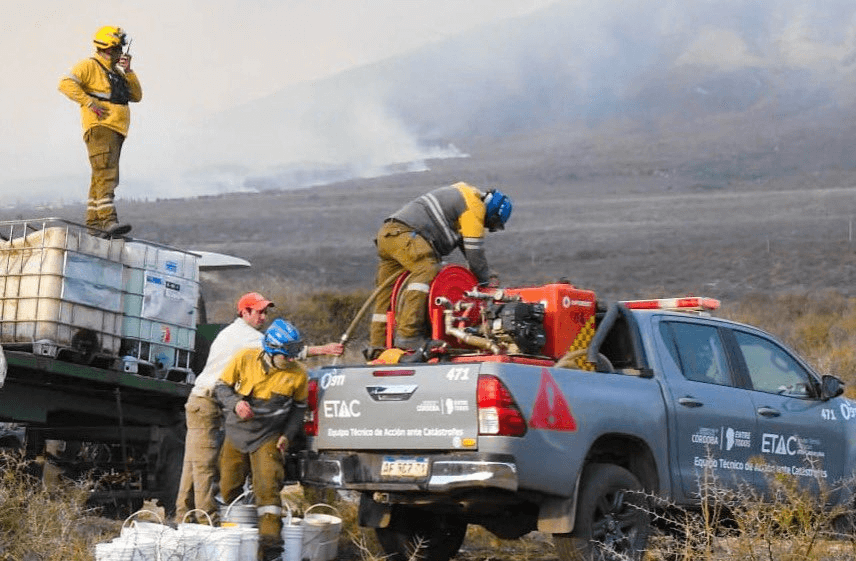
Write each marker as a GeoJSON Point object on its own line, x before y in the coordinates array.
{"type": "Point", "coordinates": [416, 237]}
{"type": "Point", "coordinates": [264, 393]}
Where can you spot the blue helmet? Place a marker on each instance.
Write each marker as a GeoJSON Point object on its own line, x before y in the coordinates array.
{"type": "Point", "coordinates": [282, 338]}
{"type": "Point", "coordinates": [497, 210]}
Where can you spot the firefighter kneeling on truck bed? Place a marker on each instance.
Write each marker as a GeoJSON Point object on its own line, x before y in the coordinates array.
{"type": "Point", "coordinates": [416, 237]}
{"type": "Point", "coordinates": [264, 394]}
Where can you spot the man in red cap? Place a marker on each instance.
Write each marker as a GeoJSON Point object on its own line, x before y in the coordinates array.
{"type": "Point", "coordinates": [199, 476]}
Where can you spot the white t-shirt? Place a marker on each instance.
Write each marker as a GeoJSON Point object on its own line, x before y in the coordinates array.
{"type": "Point", "coordinates": [234, 337]}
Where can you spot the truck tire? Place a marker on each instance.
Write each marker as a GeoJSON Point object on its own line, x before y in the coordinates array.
{"type": "Point", "coordinates": [611, 523]}
{"type": "Point", "coordinates": [413, 534]}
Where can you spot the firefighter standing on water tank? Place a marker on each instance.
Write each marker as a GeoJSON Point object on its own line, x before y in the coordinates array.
{"type": "Point", "coordinates": [416, 237]}
{"type": "Point", "coordinates": [102, 86]}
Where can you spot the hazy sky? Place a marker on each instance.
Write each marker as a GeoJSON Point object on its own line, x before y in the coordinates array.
{"type": "Point", "coordinates": [199, 61]}
{"type": "Point", "coordinates": [194, 58]}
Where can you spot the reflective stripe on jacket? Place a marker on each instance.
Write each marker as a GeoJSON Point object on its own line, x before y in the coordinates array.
{"type": "Point", "coordinates": [450, 217]}
{"type": "Point", "coordinates": [277, 397]}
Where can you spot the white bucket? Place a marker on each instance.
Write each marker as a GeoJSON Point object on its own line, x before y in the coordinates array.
{"type": "Point", "coordinates": [244, 515]}
{"type": "Point", "coordinates": [133, 548]}
{"type": "Point", "coordinates": [194, 542]}
{"type": "Point", "coordinates": [139, 539]}
{"type": "Point", "coordinates": [133, 526]}
{"type": "Point", "coordinates": [292, 537]}
{"type": "Point", "coordinates": [104, 551]}
{"type": "Point", "coordinates": [321, 534]}
{"type": "Point", "coordinates": [227, 544]}
{"type": "Point", "coordinates": [249, 544]}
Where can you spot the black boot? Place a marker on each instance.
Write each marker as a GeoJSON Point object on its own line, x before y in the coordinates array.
{"type": "Point", "coordinates": [117, 230]}
{"type": "Point", "coordinates": [270, 553]}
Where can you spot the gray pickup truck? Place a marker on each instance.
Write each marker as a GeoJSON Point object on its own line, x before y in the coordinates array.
{"type": "Point", "coordinates": [517, 444]}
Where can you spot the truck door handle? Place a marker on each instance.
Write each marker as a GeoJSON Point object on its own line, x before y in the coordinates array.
{"type": "Point", "coordinates": [689, 402]}
{"type": "Point", "coordinates": [768, 412]}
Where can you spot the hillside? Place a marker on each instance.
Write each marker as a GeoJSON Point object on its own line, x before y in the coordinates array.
{"type": "Point", "coordinates": [613, 208]}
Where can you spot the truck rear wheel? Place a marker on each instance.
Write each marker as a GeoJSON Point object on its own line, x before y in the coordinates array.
{"type": "Point", "coordinates": [612, 520]}
{"type": "Point", "coordinates": [413, 534]}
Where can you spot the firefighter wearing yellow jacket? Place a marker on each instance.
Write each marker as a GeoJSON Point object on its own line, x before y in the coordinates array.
{"type": "Point", "coordinates": [102, 86]}
{"type": "Point", "coordinates": [416, 237]}
{"type": "Point", "coordinates": [263, 393]}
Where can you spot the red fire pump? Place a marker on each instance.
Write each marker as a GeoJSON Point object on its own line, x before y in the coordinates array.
{"type": "Point", "coordinates": [536, 325]}
{"type": "Point", "coordinates": [540, 322]}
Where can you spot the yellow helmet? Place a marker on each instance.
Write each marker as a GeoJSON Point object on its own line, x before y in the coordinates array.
{"type": "Point", "coordinates": [109, 36]}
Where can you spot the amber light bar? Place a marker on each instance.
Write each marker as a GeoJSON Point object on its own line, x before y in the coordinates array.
{"type": "Point", "coordinates": [687, 303]}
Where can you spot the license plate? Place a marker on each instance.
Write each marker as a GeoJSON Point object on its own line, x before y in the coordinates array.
{"type": "Point", "coordinates": [404, 467]}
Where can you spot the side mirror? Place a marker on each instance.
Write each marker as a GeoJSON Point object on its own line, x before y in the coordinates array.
{"type": "Point", "coordinates": [830, 386]}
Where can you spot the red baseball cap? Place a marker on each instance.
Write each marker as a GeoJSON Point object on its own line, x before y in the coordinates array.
{"type": "Point", "coordinates": [254, 301]}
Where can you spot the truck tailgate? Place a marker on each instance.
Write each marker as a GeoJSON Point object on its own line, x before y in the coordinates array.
{"type": "Point", "coordinates": [396, 407]}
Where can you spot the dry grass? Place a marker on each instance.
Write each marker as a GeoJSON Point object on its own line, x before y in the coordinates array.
{"type": "Point", "coordinates": [38, 524]}
{"type": "Point", "coordinates": [325, 316]}
{"type": "Point", "coordinates": [789, 525]}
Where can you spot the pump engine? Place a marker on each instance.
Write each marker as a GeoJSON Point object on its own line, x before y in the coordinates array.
{"type": "Point", "coordinates": [517, 324]}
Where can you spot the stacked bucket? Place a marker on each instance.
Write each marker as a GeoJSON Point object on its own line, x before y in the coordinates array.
{"type": "Point", "coordinates": [243, 518]}
{"type": "Point", "coordinates": [148, 541]}
{"type": "Point", "coordinates": [314, 538]}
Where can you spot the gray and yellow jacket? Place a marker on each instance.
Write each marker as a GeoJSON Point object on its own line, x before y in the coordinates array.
{"type": "Point", "coordinates": [277, 397]}
{"type": "Point", "coordinates": [450, 217]}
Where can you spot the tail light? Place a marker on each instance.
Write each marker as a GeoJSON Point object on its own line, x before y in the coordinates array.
{"type": "Point", "coordinates": [498, 412]}
{"type": "Point", "coordinates": [310, 418]}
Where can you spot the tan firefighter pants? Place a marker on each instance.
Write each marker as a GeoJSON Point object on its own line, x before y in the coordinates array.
{"type": "Point", "coordinates": [268, 472]}
{"type": "Point", "coordinates": [198, 485]}
{"type": "Point", "coordinates": [401, 249]}
{"type": "Point", "coordinates": [104, 146]}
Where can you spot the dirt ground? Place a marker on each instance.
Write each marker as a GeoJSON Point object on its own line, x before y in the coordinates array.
{"type": "Point", "coordinates": [621, 244]}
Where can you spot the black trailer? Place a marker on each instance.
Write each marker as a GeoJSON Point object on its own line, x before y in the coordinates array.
{"type": "Point", "coordinates": [123, 432]}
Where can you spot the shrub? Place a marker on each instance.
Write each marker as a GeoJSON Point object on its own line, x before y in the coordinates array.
{"type": "Point", "coordinates": [41, 524]}
{"type": "Point", "coordinates": [325, 316]}
{"type": "Point", "coordinates": [788, 525]}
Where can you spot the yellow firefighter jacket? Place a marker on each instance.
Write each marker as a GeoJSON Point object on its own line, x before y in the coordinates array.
{"type": "Point", "coordinates": [87, 82]}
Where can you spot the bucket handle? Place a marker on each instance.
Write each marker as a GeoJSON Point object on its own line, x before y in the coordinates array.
{"type": "Point", "coordinates": [331, 507]}
{"type": "Point", "coordinates": [186, 514]}
{"type": "Point", "coordinates": [238, 498]}
{"type": "Point", "coordinates": [288, 517]}
{"type": "Point", "coordinates": [142, 511]}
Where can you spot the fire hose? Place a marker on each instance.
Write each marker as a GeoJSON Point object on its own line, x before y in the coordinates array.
{"type": "Point", "coordinates": [460, 334]}
{"type": "Point", "coordinates": [361, 312]}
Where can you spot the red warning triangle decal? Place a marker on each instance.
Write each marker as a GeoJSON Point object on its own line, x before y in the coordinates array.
{"type": "Point", "coordinates": [551, 410]}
